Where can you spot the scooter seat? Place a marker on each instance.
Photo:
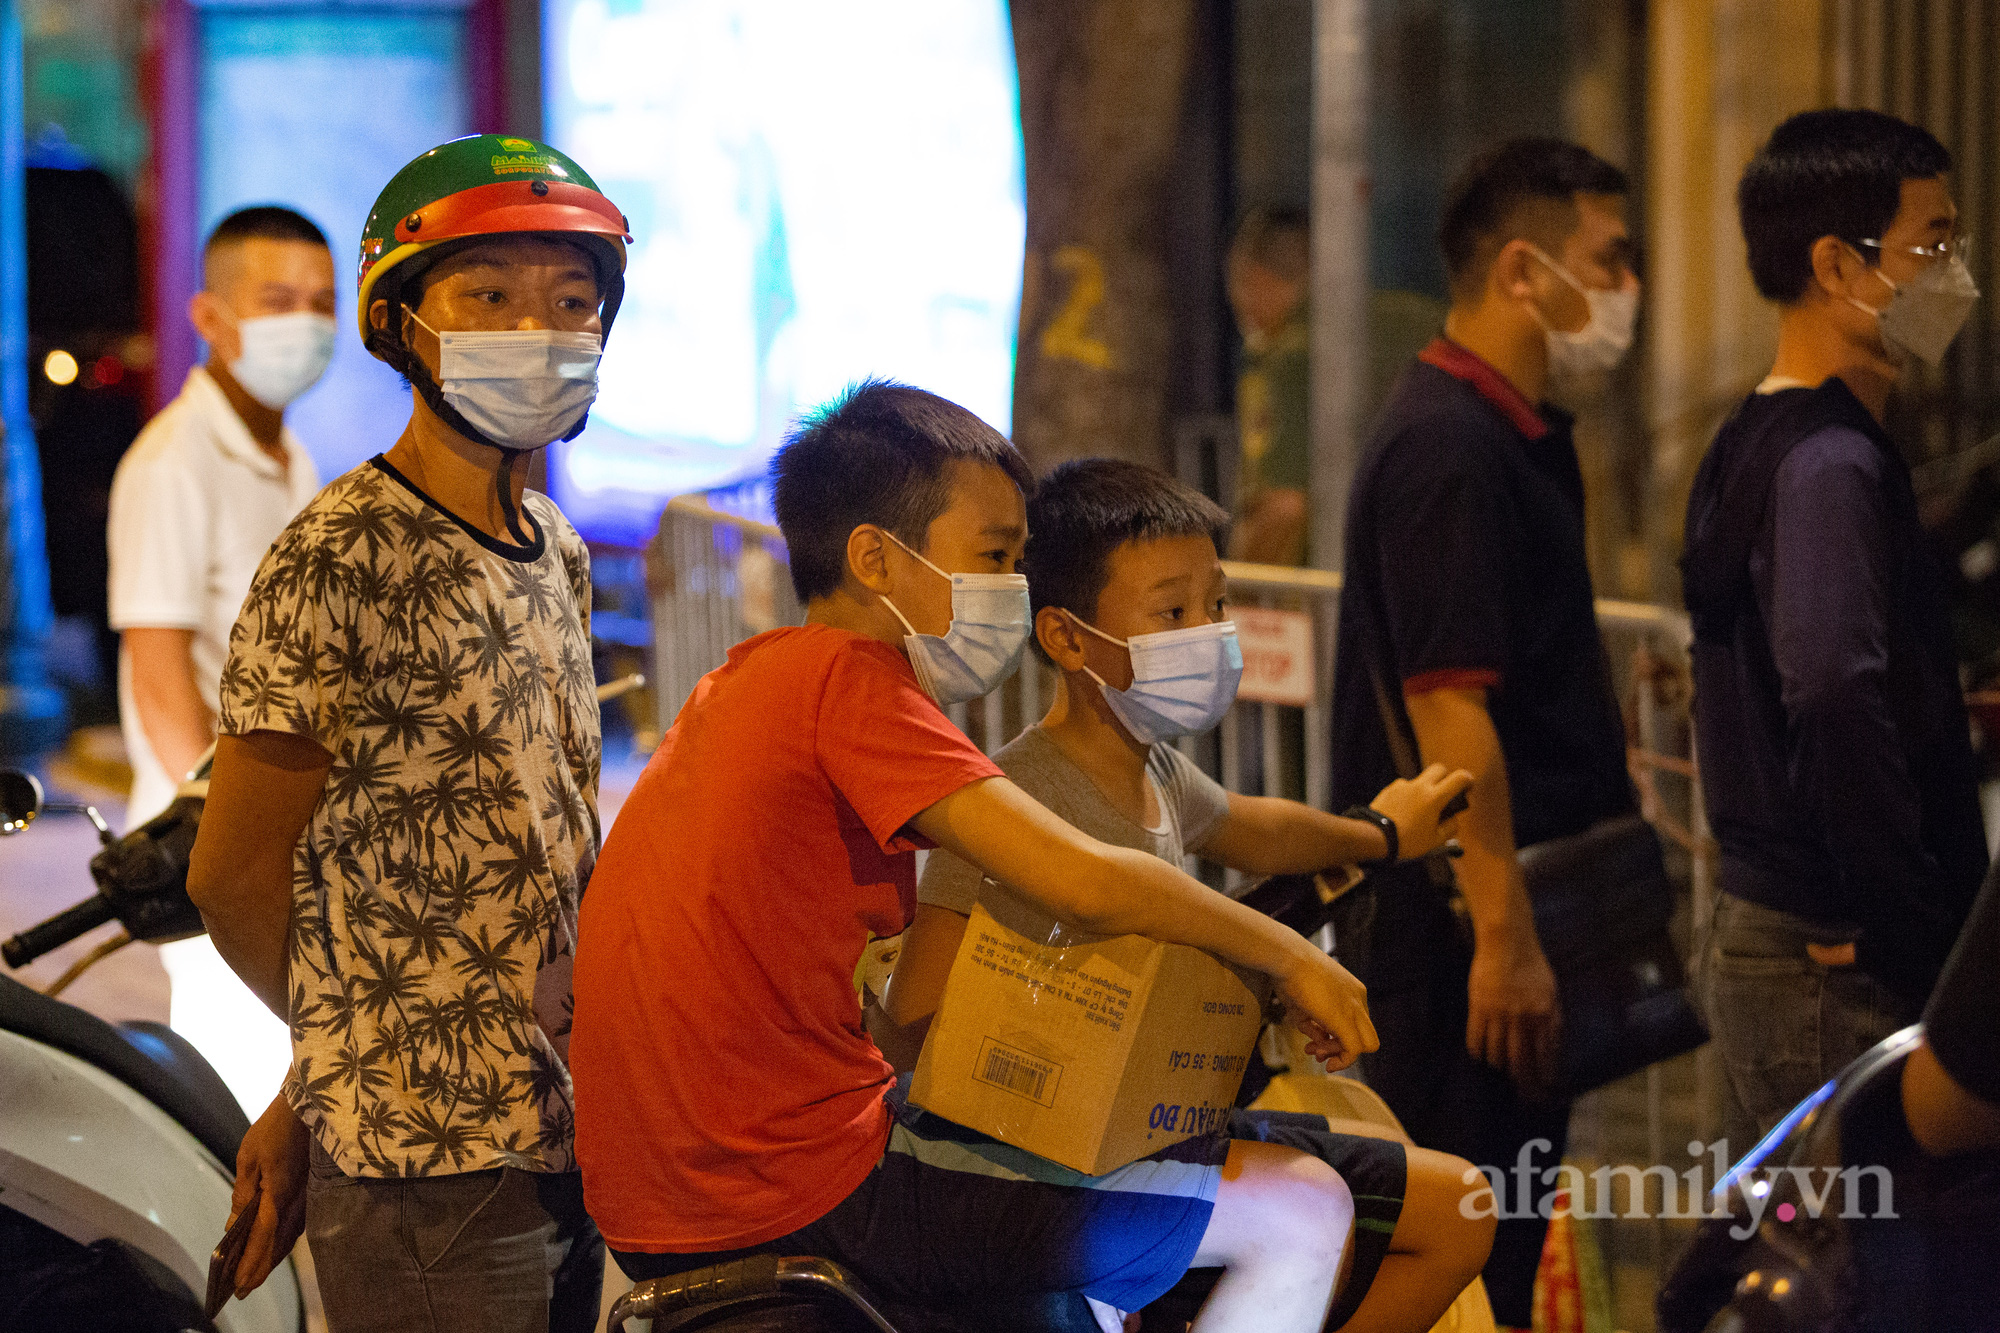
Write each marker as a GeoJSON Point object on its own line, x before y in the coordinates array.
{"type": "Point", "coordinates": [149, 1058]}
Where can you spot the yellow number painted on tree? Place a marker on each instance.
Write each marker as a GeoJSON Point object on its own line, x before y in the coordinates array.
{"type": "Point", "coordinates": [1068, 335]}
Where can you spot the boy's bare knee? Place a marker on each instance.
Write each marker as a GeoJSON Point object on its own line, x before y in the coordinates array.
{"type": "Point", "coordinates": [1473, 1223]}
{"type": "Point", "coordinates": [1322, 1209]}
{"type": "Point", "coordinates": [1281, 1203]}
{"type": "Point", "coordinates": [1448, 1211]}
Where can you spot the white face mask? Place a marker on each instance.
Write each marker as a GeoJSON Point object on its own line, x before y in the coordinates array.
{"type": "Point", "coordinates": [989, 628]}
{"type": "Point", "coordinates": [520, 388]}
{"type": "Point", "coordinates": [1925, 313]}
{"type": "Point", "coordinates": [1183, 680]}
{"type": "Point", "coordinates": [283, 355]}
{"type": "Point", "coordinates": [1603, 340]}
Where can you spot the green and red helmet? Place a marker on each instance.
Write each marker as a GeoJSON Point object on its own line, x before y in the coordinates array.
{"type": "Point", "coordinates": [483, 185]}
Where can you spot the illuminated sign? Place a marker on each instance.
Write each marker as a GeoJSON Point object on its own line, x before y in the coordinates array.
{"type": "Point", "coordinates": [316, 110]}
{"type": "Point", "coordinates": [817, 193]}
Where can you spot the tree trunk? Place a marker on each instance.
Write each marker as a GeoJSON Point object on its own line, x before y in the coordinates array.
{"type": "Point", "coordinates": [1101, 89]}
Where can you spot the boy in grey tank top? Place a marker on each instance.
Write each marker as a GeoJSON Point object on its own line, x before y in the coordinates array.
{"type": "Point", "coordinates": [1190, 804]}
{"type": "Point", "coordinates": [1127, 586]}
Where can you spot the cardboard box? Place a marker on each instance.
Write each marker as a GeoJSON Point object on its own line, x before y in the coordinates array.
{"type": "Point", "coordinates": [1089, 1052]}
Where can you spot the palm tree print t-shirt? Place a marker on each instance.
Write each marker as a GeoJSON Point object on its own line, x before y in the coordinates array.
{"type": "Point", "coordinates": [435, 889]}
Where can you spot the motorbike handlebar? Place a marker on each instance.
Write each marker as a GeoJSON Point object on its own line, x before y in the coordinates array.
{"type": "Point", "coordinates": [143, 875]}
{"type": "Point", "coordinates": [57, 931]}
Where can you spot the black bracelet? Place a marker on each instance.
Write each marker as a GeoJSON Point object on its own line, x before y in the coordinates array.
{"type": "Point", "coordinates": [1381, 821]}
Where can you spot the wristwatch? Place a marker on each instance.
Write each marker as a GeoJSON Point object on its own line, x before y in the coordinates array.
{"type": "Point", "coordinates": [1370, 814]}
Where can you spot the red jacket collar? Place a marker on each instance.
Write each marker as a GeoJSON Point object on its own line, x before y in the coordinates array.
{"type": "Point", "coordinates": [1491, 385]}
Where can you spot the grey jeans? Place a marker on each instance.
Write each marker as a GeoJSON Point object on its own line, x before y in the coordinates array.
{"type": "Point", "coordinates": [498, 1251]}
{"type": "Point", "coordinates": [1784, 1023]}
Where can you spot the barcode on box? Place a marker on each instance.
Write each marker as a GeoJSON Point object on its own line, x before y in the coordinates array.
{"type": "Point", "coordinates": [1017, 1072]}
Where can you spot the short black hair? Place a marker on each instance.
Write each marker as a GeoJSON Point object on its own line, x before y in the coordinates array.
{"type": "Point", "coordinates": [1522, 187]}
{"type": "Point", "coordinates": [1277, 238]}
{"type": "Point", "coordinates": [1087, 508]}
{"type": "Point", "coordinates": [879, 453]}
{"type": "Point", "coordinates": [264, 222]}
{"type": "Point", "coordinates": [1827, 173]}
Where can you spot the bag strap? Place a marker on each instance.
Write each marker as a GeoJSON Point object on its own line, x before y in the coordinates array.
{"type": "Point", "coordinates": [1400, 753]}
{"type": "Point", "coordinates": [1404, 756]}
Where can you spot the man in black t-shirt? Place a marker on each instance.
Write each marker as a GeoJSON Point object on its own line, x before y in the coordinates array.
{"type": "Point", "coordinates": [1951, 1086]}
{"type": "Point", "coordinates": [1934, 1266]}
{"type": "Point", "coordinates": [1467, 616]}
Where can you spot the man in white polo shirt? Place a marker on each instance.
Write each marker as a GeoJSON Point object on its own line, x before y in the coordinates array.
{"type": "Point", "coordinates": [197, 501]}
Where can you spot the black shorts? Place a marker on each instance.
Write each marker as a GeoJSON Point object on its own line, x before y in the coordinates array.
{"type": "Point", "coordinates": [950, 1217]}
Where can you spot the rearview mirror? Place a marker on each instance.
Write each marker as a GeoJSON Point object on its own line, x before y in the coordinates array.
{"type": "Point", "coordinates": [20, 800]}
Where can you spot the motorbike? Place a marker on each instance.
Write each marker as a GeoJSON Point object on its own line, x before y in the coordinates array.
{"type": "Point", "coordinates": [1837, 1221]}
{"type": "Point", "coordinates": [117, 1141]}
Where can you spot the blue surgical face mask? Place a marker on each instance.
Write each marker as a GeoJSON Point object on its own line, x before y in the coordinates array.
{"type": "Point", "coordinates": [520, 388]}
{"type": "Point", "coordinates": [989, 628]}
{"type": "Point", "coordinates": [1183, 680]}
{"type": "Point", "coordinates": [283, 355]}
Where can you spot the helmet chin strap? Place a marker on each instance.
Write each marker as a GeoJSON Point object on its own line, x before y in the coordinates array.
{"type": "Point", "coordinates": [503, 485]}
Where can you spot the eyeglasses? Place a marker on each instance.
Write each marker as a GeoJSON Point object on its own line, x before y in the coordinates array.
{"type": "Point", "coordinates": [1959, 246]}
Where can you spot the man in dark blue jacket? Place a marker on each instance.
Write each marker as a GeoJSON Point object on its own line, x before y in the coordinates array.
{"type": "Point", "coordinates": [1837, 769]}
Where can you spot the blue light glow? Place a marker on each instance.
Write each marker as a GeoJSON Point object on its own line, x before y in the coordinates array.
{"type": "Point", "coordinates": [817, 193]}
{"type": "Point", "coordinates": [1780, 1132]}
{"type": "Point", "coordinates": [317, 111]}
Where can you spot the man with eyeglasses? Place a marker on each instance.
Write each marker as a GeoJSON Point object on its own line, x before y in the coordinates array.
{"type": "Point", "coordinates": [1836, 765]}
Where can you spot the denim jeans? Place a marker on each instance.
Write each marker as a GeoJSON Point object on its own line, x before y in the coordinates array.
{"type": "Point", "coordinates": [1784, 1023]}
{"type": "Point", "coordinates": [497, 1251]}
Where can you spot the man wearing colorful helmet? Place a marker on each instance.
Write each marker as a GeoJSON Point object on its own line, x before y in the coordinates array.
{"type": "Point", "coordinates": [403, 810]}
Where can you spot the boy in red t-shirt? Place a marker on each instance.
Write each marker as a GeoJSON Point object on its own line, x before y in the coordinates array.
{"type": "Point", "coordinates": [728, 1097]}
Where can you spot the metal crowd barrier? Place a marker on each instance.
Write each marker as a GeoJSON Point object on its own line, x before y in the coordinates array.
{"type": "Point", "coordinates": [715, 580]}
{"type": "Point", "coordinates": [719, 578]}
